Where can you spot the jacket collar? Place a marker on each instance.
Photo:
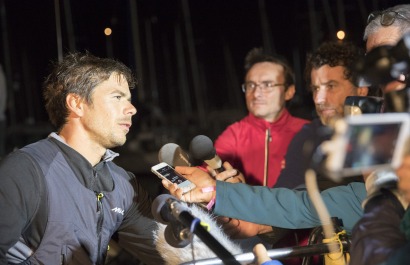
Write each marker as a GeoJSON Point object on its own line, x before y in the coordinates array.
{"type": "Point", "coordinates": [263, 124]}
{"type": "Point", "coordinates": [108, 156]}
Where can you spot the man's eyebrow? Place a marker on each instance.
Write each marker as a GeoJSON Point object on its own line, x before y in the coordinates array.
{"type": "Point", "coordinates": [330, 82]}
{"type": "Point", "coordinates": [122, 93]}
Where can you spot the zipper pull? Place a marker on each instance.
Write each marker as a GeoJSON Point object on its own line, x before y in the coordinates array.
{"type": "Point", "coordinates": [268, 135]}
{"type": "Point", "coordinates": [99, 198]}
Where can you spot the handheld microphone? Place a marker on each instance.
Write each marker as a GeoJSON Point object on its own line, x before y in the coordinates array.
{"type": "Point", "coordinates": [166, 209]}
{"type": "Point", "coordinates": [174, 155]}
{"type": "Point", "coordinates": [202, 148]}
{"type": "Point", "coordinates": [181, 224]}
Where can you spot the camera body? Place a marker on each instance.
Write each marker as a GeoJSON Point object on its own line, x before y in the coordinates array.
{"type": "Point", "coordinates": [361, 144]}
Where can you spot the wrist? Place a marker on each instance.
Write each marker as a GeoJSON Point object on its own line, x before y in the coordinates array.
{"type": "Point", "coordinates": [211, 201]}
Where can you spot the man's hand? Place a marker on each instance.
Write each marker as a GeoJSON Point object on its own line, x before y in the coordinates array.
{"type": "Point", "coordinates": [205, 185]}
{"type": "Point", "coordinates": [403, 172]}
{"type": "Point", "coordinates": [229, 175]}
{"type": "Point", "coordinates": [238, 229]}
{"type": "Point", "coordinates": [262, 257]}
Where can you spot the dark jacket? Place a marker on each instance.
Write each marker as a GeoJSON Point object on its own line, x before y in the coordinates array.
{"type": "Point", "coordinates": [51, 170]}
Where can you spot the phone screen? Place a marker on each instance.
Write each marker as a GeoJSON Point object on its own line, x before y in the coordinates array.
{"type": "Point", "coordinates": [371, 145]}
{"type": "Point", "coordinates": [170, 174]}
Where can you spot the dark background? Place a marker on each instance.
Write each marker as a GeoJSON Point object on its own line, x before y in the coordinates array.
{"type": "Point", "coordinates": [187, 54]}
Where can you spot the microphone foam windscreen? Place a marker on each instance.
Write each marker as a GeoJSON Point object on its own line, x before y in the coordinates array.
{"type": "Point", "coordinates": [172, 240]}
{"type": "Point", "coordinates": [157, 208]}
{"type": "Point", "coordinates": [201, 147]}
{"type": "Point", "coordinates": [174, 155]}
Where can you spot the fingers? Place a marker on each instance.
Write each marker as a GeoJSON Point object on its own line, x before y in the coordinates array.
{"type": "Point", "coordinates": [205, 185]}
{"type": "Point", "coordinates": [227, 174]}
{"type": "Point", "coordinates": [403, 172]}
{"type": "Point", "coordinates": [230, 226]}
{"type": "Point", "coordinates": [172, 188]}
{"type": "Point", "coordinates": [261, 254]}
{"type": "Point", "coordinates": [227, 165]}
{"type": "Point", "coordinates": [185, 170]}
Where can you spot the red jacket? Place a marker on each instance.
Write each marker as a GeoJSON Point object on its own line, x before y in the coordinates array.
{"type": "Point", "coordinates": [243, 145]}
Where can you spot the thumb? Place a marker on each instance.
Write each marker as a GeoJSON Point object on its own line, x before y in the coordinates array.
{"type": "Point", "coordinates": [260, 253]}
{"type": "Point", "coordinates": [262, 256]}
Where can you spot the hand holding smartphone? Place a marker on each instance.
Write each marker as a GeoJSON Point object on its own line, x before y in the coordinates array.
{"type": "Point", "coordinates": [165, 171]}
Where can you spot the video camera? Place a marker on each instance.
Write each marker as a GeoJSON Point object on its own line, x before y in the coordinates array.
{"type": "Point", "coordinates": [385, 64]}
{"type": "Point", "coordinates": [366, 142]}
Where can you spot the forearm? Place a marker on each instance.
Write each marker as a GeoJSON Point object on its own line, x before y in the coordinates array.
{"type": "Point", "coordinates": [287, 208]}
{"type": "Point", "coordinates": [257, 204]}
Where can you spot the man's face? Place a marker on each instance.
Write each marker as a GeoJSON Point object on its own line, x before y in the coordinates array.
{"type": "Point", "coordinates": [267, 106]}
{"type": "Point", "coordinates": [386, 36]}
{"type": "Point", "coordinates": [108, 119]}
{"type": "Point", "coordinates": [330, 89]}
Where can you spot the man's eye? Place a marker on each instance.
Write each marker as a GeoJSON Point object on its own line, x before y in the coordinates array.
{"type": "Point", "coordinates": [118, 97]}
{"type": "Point", "coordinates": [269, 84]}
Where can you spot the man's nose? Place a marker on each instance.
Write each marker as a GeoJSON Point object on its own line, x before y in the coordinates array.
{"type": "Point", "coordinates": [131, 109]}
{"type": "Point", "coordinates": [320, 96]}
{"type": "Point", "coordinates": [258, 90]}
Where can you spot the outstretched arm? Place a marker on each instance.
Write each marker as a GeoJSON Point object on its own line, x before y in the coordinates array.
{"type": "Point", "coordinates": [205, 183]}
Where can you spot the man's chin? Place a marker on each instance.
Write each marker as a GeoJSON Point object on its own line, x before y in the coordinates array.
{"type": "Point", "coordinates": [116, 143]}
{"type": "Point", "coordinates": [329, 120]}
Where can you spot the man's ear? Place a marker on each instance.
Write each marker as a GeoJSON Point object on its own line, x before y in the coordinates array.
{"type": "Point", "coordinates": [75, 104]}
{"type": "Point", "coordinates": [290, 92]}
{"type": "Point", "coordinates": [362, 91]}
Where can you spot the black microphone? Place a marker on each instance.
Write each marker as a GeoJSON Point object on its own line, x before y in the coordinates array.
{"type": "Point", "coordinates": [168, 210]}
{"type": "Point", "coordinates": [202, 148]}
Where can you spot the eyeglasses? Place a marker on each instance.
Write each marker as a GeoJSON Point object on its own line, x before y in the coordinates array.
{"type": "Point", "coordinates": [386, 18]}
{"type": "Point", "coordinates": [265, 87]}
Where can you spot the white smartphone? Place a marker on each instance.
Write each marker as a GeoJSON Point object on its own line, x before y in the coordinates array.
{"type": "Point", "coordinates": [165, 171]}
{"type": "Point", "coordinates": [368, 142]}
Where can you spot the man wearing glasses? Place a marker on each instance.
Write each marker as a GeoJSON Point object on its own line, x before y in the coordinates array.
{"type": "Point", "coordinates": [331, 81]}
{"type": "Point", "coordinates": [386, 28]}
{"type": "Point", "coordinates": [256, 145]}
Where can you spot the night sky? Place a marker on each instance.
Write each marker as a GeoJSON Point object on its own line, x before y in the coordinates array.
{"type": "Point", "coordinates": [179, 94]}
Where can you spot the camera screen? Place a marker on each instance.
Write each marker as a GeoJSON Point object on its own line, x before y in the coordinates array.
{"type": "Point", "coordinates": [371, 145]}
{"type": "Point", "coordinates": [169, 173]}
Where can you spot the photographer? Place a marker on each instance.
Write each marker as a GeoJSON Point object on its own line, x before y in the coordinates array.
{"type": "Point", "coordinates": [380, 236]}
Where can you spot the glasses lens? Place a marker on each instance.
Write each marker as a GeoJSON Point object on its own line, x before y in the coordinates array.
{"type": "Point", "coordinates": [388, 18]}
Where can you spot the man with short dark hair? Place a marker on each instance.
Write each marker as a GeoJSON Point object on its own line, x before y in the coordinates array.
{"type": "Point", "coordinates": [257, 144]}
{"type": "Point", "coordinates": [63, 197]}
{"type": "Point", "coordinates": [289, 208]}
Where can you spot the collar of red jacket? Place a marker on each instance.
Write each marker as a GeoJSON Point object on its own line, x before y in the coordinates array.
{"type": "Point", "coordinates": [261, 123]}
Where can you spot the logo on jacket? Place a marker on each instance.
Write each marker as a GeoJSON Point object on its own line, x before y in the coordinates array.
{"type": "Point", "coordinates": [118, 210]}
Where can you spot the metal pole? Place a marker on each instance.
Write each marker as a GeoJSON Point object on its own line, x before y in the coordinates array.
{"type": "Point", "coordinates": [58, 30]}
{"type": "Point", "coordinates": [7, 64]}
{"type": "Point", "coordinates": [313, 24]}
{"type": "Point", "coordinates": [137, 49]}
{"type": "Point", "coordinates": [268, 44]}
{"type": "Point", "coordinates": [329, 18]}
{"type": "Point", "coordinates": [199, 97]}
{"type": "Point", "coordinates": [69, 25]}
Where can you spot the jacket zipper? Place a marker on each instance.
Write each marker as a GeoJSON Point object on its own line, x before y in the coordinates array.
{"type": "Point", "coordinates": [100, 220]}
{"type": "Point", "coordinates": [268, 138]}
